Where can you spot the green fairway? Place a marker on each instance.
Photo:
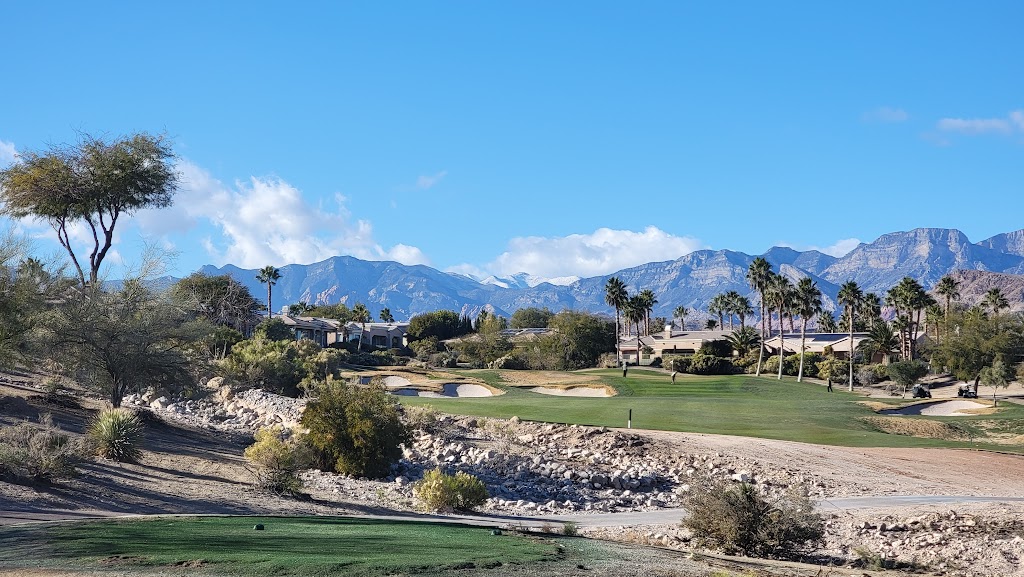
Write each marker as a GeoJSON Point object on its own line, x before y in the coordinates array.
{"type": "Point", "coordinates": [731, 405]}
{"type": "Point", "coordinates": [287, 546]}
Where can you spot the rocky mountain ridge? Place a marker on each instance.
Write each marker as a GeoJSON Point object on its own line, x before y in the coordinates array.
{"type": "Point", "coordinates": [925, 254]}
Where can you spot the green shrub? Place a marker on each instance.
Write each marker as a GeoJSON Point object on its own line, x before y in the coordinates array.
{"type": "Point", "coordinates": [277, 459]}
{"type": "Point", "coordinates": [833, 369]}
{"type": "Point", "coordinates": [677, 363]}
{"type": "Point", "coordinates": [738, 519]}
{"type": "Point", "coordinates": [116, 434]}
{"type": "Point", "coordinates": [701, 364]}
{"type": "Point", "coordinates": [789, 365]}
{"type": "Point", "coordinates": [881, 372]}
{"type": "Point", "coordinates": [37, 453]}
{"type": "Point", "coordinates": [570, 529]}
{"type": "Point", "coordinates": [811, 361]}
{"type": "Point", "coordinates": [716, 348]}
{"type": "Point", "coordinates": [357, 430]}
{"type": "Point", "coordinates": [440, 491]}
{"type": "Point", "coordinates": [274, 330]}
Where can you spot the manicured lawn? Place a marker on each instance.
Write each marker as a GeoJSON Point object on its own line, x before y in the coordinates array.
{"type": "Point", "coordinates": [288, 546]}
{"type": "Point", "coordinates": [730, 405]}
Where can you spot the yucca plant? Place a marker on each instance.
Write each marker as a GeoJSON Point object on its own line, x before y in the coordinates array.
{"type": "Point", "coordinates": [116, 434]}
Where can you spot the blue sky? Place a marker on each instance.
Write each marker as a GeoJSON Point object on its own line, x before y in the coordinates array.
{"type": "Point", "coordinates": [554, 138]}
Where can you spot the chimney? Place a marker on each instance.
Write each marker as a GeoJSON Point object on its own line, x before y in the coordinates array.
{"type": "Point", "coordinates": [668, 330]}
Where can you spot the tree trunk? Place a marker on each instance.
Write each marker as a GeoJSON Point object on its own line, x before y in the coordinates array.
{"type": "Point", "coordinates": [761, 352]}
{"type": "Point", "coordinates": [850, 359]}
{"type": "Point", "coordinates": [803, 345]}
{"type": "Point", "coordinates": [782, 343]}
{"type": "Point", "coordinates": [618, 354]}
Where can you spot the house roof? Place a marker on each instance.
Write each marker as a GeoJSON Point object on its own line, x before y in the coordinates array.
{"type": "Point", "coordinates": [816, 342]}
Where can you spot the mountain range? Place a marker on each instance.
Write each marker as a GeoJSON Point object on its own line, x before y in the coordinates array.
{"type": "Point", "coordinates": [925, 254]}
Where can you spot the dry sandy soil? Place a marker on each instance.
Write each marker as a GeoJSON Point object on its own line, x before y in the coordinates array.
{"type": "Point", "coordinates": [192, 470]}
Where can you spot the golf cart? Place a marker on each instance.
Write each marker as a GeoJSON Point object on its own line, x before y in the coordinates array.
{"type": "Point", "coordinates": [966, 391]}
{"type": "Point", "coordinates": [921, 392]}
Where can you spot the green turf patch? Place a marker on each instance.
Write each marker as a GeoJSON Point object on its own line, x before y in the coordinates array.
{"type": "Point", "coordinates": [730, 405]}
{"type": "Point", "coordinates": [305, 546]}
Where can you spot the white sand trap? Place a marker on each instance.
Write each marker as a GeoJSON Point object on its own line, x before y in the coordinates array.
{"type": "Point", "coordinates": [449, 391]}
{"type": "Point", "coordinates": [393, 382]}
{"type": "Point", "coordinates": [573, 391]}
{"type": "Point", "coordinates": [940, 409]}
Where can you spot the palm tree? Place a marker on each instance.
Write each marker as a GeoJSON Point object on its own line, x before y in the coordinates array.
{"type": "Point", "coordinates": [949, 288]}
{"type": "Point", "coordinates": [872, 306]}
{"type": "Point", "coordinates": [743, 340]}
{"type": "Point", "coordinates": [680, 313]}
{"type": "Point", "coordinates": [615, 295]}
{"type": "Point", "coordinates": [851, 297]}
{"type": "Point", "coordinates": [710, 325]}
{"type": "Point", "coordinates": [881, 339]}
{"type": "Point", "coordinates": [779, 295]}
{"type": "Point", "coordinates": [995, 300]}
{"type": "Point", "coordinates": [269, 276]}
{"type": "Point", "coordinates": [827, 323]}
{"type": "Point", "coordinates": [758, 274]}
{"type": "Point", "coordinates": [648, 301]}
{"type": "Point", "coordinates": [386, 316]}
{"type": "Point", "coordinates": [717, 306]}
{"type": "Point", "coordinates": [361, 315]}
{"type": "Point", "coordinates": [636, 310]}
{"type": "Point", "coordinates": [739, 305]}
{"type": "Point", "coordinates": [807, 304]}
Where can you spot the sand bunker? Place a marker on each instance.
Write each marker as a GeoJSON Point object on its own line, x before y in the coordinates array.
{"type": "Point", "coordinates": [393, 382]}
{"type": "Point", "coordinates": [940, 409]}
{"type": "Point", "coordinates": [574, 391]}
{"type": "Point", "coordinates": [448, 391]}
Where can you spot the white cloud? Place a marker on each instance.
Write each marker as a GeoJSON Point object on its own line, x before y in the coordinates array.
{"type": "Point", "coordinates": [975, 125]}
{"type": "Point", "coordinates": [265, 220]}
{"type": "Point", "coordinates": [426, 182]}
{"type": "Point", "coordinates": [885, 114]}
{"type": "Point", "coordinates": [601, 252]}
{"type": "Point", "coordinates": [838, 249]}
{"type": "Point", "coordinates": [842, 247]}
{"type": "Point", "coordinates": [7, 153]}
{"type": "Point", "coordinates": [1017, 117]}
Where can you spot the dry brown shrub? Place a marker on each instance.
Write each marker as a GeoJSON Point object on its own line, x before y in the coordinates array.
{"type": "Point", "coordinates": [918, 428]}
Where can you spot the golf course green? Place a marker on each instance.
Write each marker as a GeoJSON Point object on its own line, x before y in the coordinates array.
{"type": "Point", "coordinates": [304, 546]}
{"type": "Point", "coordinates": [741, 405]}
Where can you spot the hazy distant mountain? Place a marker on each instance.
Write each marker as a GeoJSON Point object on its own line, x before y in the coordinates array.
{"type": "Point", "coordinates": [1010, 242]}
{"type": "Point", "coordinates": [925, 254]}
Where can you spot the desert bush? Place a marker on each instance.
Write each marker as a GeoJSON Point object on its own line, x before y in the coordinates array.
{"type": "Point", "coordinates": [425, 347]}
{"type": "Point", "coordinates": [607, 361]}
{"type": "Point", "coordinates": [677, 363]}
{"type": "Point", "coordinates": [570, 529]}
{"type": "Point", "coordinates": [881, 372]}
{"type": "Point", "coordinates": [421, 418]}
{"type": "Point", "coordinates": [37, 453]}
{"type": "Point", "coordinates": [738, 519]}
{"type": "Point", "coordinates": [440, 491]}
{"type": "Point", "coordinates": [866, 375]}
{"type": "Point", "coordinates": [510, 361]}
{"type": "Point", "coordinates": [357, 430]}
{"type": "Point", "coordinates": [701, 364]}
{"type": "Point", "coordinates": [116, 434]}
{"type": "Point", "coordinates": [443, 360]}
{"type": "Point", "coordinates": [277, 458]}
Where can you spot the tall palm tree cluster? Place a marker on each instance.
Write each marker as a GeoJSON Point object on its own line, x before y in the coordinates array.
{"type": "Point", "coordinates": [732, 304]}
{"type": "Point", "coordinates": [909, 300]}
{"type": "Point", "coordinates": [635, 310]}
